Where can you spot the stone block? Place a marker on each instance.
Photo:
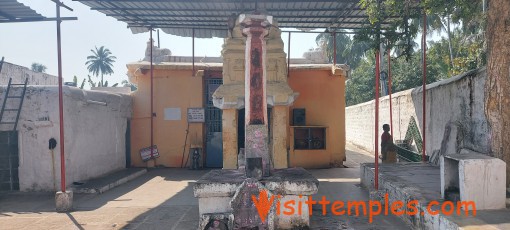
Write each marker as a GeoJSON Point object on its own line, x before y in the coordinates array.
{"type": "Point", "coordinates": [219, 204]}
{"type": "Point", "coordinates": [254, 167]}
{"type": "Point", "coordinates": [256, 146]}
{"type": "Point", "coordinates": [249, 214]}
{"type": "Point", "coordinates": [64, 201]}
{"type": "Point", "coordinates": [475, 177]}
{"type": "Point", "coordinates": [299, 218]}
{"type": "Point", "coordinates": [218, 183]}
{"type": "Point", "coordinates": [221, 188]}
{"type": "Point", "coordinates": [222, 220]}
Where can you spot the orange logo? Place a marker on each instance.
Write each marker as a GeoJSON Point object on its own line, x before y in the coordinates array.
{"type": "Point", "coordinates": [374, 207]}
{"type": "Point", "coordinates": [263, 204]}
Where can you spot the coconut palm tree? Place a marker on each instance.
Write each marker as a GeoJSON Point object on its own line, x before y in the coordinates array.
{"type": "Point", "coordinates": [347, 50]}
{"type": "Point", "coordinates": [101, 62]}
{"type": "Point", "coordinates": [38, 67]}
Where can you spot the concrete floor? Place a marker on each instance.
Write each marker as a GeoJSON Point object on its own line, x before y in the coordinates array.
{"type": "Point", "coordinates": [163, 199]}
{"type": "Point", "coordinates": [427, 181]}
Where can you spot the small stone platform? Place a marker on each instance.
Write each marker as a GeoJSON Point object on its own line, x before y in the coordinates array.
{"type": "Point", "coordinates": [421, 182]}
{"type": "Point", "coordinates": [216, 189]}
{"type": "Point", "coordinates": [109, 181]}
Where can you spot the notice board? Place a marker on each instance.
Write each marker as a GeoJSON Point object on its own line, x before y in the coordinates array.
{"type": "Point", "coordinates": [196, 115]}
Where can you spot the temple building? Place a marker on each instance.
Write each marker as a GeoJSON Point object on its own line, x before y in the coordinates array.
{"type": "Point", "coordinates": [199, 107]}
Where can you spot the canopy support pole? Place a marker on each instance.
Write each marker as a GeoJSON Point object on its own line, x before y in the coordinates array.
{"type": "Point", "coordinates": [152, 98]}
{"type": "Point", "coordinates": [288, 56]}
{"type": "Point", "coordinates": [424, 87]}
{"type": "Point", "coordinates": [61, 105]}
{"type": "Point", "coordinates": [334, 48]}
{"type": "Point", "coordinates": [193, 51]}
{"type": "Point", "coordinates": [389, 90]}
{"type": "Point", "coordinates": [376, 137]}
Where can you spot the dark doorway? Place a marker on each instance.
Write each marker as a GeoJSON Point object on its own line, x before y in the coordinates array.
{"type": "Point", "coordinates": [213, 125]}
{"type": "Point", "coordinates": [9, 161]}
{"type": "Point", "coordinates": [240, 129]}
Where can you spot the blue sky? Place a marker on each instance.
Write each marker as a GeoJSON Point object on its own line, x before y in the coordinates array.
{"type": "Point", "coordinates": [25, 43]}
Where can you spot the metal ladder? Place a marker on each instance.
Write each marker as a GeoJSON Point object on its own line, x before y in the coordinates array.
{"type": "Point", "coordinates": [17, 110]}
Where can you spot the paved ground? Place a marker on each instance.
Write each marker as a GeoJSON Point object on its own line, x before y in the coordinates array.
{"type": "Point", "coordinates": [426, 178]}
{"type": "Point", "coordinates": [163, 199]}
{"type": "Point", "coordinates": [355, 156]}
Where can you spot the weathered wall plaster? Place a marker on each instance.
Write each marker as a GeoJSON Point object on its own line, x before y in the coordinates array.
{"type": "Point", "coordinates": [95, 128]}
{"type": "Point", "coordinates": [174, 87]}
{"type": "Point", "coordinates": [457, 102]}
{"type": "Point", "coordinates": [322, 94]}
{"type": "Point", "coordinates": [20, 73]}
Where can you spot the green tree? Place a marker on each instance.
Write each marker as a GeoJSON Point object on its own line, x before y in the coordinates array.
{"type": "Point", "coordinates": [406, 74]}
{"type": "Point", "coordinates": [347, 51]}
{"type": "Point", "coordinates": [497, 38]}
{"type": "Point", "coordinates": [100, 63]}
{"type": "Point", "coordinates": [38, 67]}
{"type": "Point", "coordinates": [360, 85]}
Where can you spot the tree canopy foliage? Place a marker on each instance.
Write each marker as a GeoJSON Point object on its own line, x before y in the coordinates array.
{"type": "Point", "coordinates": [38, 67]}
{"type": "Point", "coordinates": [100, 63]}
{"type": "Point", "coordinates": [396, 24]}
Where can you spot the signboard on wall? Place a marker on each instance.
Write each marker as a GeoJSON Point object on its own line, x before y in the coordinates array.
{"type": "Point", "coordinates": [196, 115]}
{"type": "Point", "coordinates": [172, 114]}
{"type": "Point", "coordinates": [145, 153]}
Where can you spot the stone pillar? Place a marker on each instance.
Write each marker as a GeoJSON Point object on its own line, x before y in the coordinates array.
{"type": "Point", "coordinates": [280, 120]}
{"type": "Point", "coordinates": [256, 144]}
{"type": "Point", "coordinates": [229, 129]}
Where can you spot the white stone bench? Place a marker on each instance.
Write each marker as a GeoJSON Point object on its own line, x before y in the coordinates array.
{"type": "Point", "coordinates": [479, 178]}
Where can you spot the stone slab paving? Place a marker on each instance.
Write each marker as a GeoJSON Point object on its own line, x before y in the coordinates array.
{"type": "Point", "coordinates": [427, 179]}
{"type": "Point", "coordinates": [343, 184]}
{"type": "Point", "coordinates": [355, 156]}
{"type": "Point", "coordinates": [163, 199]}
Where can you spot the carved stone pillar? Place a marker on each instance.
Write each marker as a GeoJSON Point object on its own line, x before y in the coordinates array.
{"type": "Point", "coordinates": [278, 94]}
{"type": "Point", "coordinates": [256, 143]}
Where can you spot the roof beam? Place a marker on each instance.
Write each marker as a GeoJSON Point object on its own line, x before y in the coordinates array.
{"type": "Point", "coordinates": [223, 1]}
{"type": "Point", "coordinates": [343, 15]}
{"type": "Point", "coordinates": [225, 16]}
{"type": "Point", "coordinates": [221, 22]}
{"type": "Point", "coordinates": [115, 6]}
{"type": "Point", "coordinates": [156, 24]}
{"type": "Point", "coordinates": [226, 10]}
{"type": "Point", "coordinates": [42, 19]}
{"type": "Point", "coordinates": [6, 15]}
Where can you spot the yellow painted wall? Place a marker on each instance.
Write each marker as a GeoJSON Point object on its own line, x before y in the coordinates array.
{"type": "Point", "coordinates": [172, 89]}
{"type": "Point", "coordinates": [320, 93]}
{"type": "Point", "coordinates": [323, 97]}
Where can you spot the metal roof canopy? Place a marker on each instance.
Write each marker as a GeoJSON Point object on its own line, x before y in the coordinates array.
{"type": "Point", "coordinates": [13, 11]}
{"type": "Point", "coordinates": [209, 18]}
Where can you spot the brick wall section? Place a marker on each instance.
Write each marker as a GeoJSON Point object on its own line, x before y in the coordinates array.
{"type": "Point", "coordinates": [458, 101]}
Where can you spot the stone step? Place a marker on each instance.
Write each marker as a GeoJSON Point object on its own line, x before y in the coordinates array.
{"type": "Point", "coordinates": [107, 182]}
